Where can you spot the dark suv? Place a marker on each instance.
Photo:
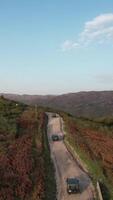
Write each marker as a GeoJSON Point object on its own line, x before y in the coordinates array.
{"type": "Point", "coordinates": [72, 185]}
{"type": "Point", "coordinates": [55, 137]}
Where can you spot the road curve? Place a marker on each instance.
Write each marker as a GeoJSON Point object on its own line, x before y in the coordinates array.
{"type": "Point", "coordinates": [66, 166]}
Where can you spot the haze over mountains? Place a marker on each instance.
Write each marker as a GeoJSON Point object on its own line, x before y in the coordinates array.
{"type": "Point", "coordinates": [86, 104]}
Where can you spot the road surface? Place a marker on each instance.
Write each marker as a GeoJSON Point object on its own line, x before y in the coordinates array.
{"type": "Point", "coordinates": [66, 166]}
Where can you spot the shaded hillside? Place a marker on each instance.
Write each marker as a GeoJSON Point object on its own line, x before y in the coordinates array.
{"type": "Point", "coordinates": [88, 104]}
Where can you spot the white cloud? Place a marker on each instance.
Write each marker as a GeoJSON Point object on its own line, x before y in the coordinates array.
{"type": "Point", "coordinates": [68, 44]}
{"type": "Point", "coordinates": [99, 21]}
{"type": "Point", "coordinates": [99, 29]}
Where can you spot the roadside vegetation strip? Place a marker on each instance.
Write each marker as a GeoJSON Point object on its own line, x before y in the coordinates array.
{"type": "Point", "coordinates": [26, 171]}
{"type": "Point", "coordinates": [76, 141]}
{"type": "Point", "coordinates": [93, 167]}
{"type": "Point", "coordinates": [21, 162]}
{"type": "Point", "coordinates": [50, 182]}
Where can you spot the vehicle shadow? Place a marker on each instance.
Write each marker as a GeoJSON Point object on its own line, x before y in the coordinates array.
{"type": "Point", "coordinates": [84, 182]}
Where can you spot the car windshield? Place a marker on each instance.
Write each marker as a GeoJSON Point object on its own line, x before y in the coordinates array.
{"type": "Point", "coordinates": [72, 181]}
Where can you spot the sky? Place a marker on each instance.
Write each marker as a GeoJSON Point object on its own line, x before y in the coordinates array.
{"type": "Point", "coordinates": [56, 46]}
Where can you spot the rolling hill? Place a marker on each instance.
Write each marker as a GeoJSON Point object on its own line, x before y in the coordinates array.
{"type": "Point", "coordinates": [85, 104]}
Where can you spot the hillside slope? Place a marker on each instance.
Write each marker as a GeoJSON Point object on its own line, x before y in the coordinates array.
{"type": "Point", "coordinates": [93, 141]}
{"type": "Point", "coordinates": [25, 165]}
{"type": "Point", "coordinates": [87, 104]}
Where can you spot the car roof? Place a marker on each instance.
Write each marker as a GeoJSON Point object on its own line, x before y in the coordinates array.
{"type": "Point", "coordinates": [72, 181]}
{"type": "Point", "coordinates": [54, 135]}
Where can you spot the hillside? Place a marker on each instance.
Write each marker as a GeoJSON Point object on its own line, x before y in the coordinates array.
{"type": "Point", "coordinates": [25, 165]}
{"type": "Point", "coordinates": [93, 141]}
{"type": "Point", "coordinates": [87, 104]}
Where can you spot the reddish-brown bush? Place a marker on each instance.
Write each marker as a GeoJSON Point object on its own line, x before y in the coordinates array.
{"type": "Point", "coordinates": [97, 145]}
{"type": "Point", "coordinates": [20, 170]}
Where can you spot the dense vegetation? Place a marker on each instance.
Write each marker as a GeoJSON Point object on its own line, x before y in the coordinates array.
{"type": "Point", "coordinates": [22, 153]}
{"type": "Point", "coordinates": [93, 141]}
{"type": "Point", "coordinates": [26, 169]}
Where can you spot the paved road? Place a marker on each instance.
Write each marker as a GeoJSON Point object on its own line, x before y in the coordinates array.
{"type": "Point", "coordinates": [66, 166]}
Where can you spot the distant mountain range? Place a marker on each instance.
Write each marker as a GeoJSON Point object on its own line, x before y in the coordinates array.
{"type": "Point", "coordinates": [86, 104]}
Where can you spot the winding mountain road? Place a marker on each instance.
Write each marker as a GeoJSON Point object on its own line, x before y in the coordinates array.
{"type": "Point", "coordinates": [66, 166]}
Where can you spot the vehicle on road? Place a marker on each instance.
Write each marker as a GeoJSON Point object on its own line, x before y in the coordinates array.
{"type": "Point", "coordinates": [73, 185]}
{"type": "Point", "coordinates": [55, 137]}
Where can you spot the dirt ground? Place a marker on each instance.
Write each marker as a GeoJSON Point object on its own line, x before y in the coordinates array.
{"type": "Point", "coordinates": [66, 166]}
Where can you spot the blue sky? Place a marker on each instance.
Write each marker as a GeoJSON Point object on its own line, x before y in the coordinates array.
{"type": "Point", "coordinates": [56, 46]}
